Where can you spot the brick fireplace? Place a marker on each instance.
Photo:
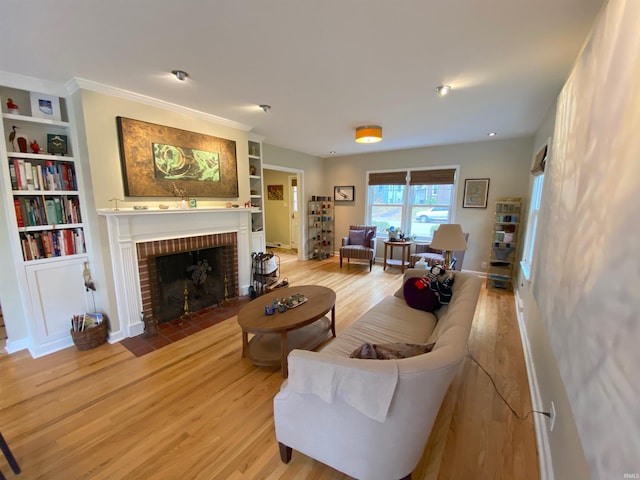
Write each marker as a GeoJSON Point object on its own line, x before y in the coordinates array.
{"type": "Point", "coordinates": [224, 268]}
{"type": "Point", "coordinates": [137, 235]}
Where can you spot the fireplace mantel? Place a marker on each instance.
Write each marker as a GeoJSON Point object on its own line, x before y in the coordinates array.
{"type": "Point", "coordinates": [127, 227]}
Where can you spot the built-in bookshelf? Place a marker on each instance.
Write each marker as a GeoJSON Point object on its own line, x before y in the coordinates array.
{"type": "Point", "coordinates": [44, 184]}
{"type": "Point", "coordinates": [256, 196]}
{"type": "Point", "coordinates": [44, 210]}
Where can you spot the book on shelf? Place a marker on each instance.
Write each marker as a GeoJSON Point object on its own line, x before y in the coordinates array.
{"type": "Point", "coordinates": [12, 175]}
{"type": "Point", "coordinates": [18, 208]}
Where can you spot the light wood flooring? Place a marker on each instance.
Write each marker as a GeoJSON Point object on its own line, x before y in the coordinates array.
{"type": "Point", "coordinates": [196, 410]}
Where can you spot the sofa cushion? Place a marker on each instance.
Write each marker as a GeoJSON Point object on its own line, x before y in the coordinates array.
{"type": "Point", "coordinates": [419, 294]}
{"type": "Point", "coordinates": [390, 320]}
{"type": "Point", "coordinates": [356, 237]}
{"type": "Point", "coordinates": [391, 351]}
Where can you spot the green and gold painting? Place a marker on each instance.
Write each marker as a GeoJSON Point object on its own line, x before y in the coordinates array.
{"type": "Point", "coordinates": [155, 158]}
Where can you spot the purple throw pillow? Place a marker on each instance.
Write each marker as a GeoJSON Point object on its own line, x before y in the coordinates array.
{"type": "Point", "coordinates": [418, 294]}
{"type": "Point", "coordinates": [368, 236]}
{"type": "Point", "coordinates": [356, 237]}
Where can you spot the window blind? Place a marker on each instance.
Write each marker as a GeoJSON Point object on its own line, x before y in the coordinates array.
{"type": "Point", "coordinates": [433, 177]}
{"type": "Point", "coordinates": [388, 178]}
{"type": "Point", "coordinates": [541, 160]}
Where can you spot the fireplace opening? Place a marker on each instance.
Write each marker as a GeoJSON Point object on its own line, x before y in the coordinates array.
{"type": "Point", "coordinates": [201, 276]}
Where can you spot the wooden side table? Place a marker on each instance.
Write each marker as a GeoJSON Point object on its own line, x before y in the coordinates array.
{"type": "Point", "coordinates": [404, 257]}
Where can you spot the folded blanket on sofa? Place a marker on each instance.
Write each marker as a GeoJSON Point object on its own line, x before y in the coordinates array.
{"type": "Point", "coordinates": [367, 388]}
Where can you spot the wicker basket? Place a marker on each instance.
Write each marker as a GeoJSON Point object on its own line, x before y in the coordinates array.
{"type": "Point", "coordinates": [91, 337]}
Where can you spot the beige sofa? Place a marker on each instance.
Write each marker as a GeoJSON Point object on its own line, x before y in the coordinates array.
{"type": "Point", "coordinates": [371, 419]}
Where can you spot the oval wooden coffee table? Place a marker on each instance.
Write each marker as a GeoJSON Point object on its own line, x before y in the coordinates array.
{"type": "Point", "coordinates": [274, 336]}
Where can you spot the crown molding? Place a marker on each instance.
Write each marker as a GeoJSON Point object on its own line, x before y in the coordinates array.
{"type": "Point", "coordinates": [24, 82]}
{"type": "Point", "coordinates": [76, 84]}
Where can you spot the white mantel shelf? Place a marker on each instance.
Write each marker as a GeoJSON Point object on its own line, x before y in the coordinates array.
{"type": "Point", "coordinates": [128, 226]}
{"type": "Point", "coordinates": [164, 211]}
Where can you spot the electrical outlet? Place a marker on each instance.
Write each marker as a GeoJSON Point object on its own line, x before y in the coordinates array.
{"type": "Point", "coordinates": [552, 418]}
{"type": "Point", "coordinates": [484, 264]}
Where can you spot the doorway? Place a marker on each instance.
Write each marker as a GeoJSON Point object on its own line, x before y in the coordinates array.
{"type": "Point", "coordinates": [284, 222]}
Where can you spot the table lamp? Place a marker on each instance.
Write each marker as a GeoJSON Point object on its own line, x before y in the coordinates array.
{"type": "Point", "coordinates": [448, 238]}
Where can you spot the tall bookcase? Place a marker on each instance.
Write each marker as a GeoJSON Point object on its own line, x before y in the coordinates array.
{"type": "Point", "coordinates": [320, 213]}
{"type": "Point", "coordinates": [44, 211]}
{"type": "Point", "coordinates": [504, 243]}
{"type": "Point", "coordinates": [258, 242]}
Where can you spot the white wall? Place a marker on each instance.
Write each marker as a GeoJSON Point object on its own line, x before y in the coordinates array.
{"type": "Point", "coordinates": [582, 307]}
{"type": "Point", "coordinates": [505, 162]}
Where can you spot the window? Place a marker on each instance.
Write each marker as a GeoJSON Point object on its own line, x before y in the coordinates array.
{"type": "Point", "coordinates": [415, 201]}
{"type": "Point", "coordinates": [532, 226]}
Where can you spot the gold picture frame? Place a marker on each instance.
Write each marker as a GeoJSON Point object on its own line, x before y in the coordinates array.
{"type": "Point", "coordinates": [158, 160]}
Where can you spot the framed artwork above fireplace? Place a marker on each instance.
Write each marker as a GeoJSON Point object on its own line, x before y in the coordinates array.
{"type": "Point", "coordinates": [158, 161]}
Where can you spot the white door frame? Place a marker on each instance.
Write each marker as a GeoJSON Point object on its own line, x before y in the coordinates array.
{"type": "Point", "coordinates": [303, 218]}
{"type": "Point", "coordinates": [294, 234]}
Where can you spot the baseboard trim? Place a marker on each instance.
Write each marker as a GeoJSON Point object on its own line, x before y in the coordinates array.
{"type": "Point", "coordinates": [16, 346]}
{"type": "Point", "coordinates": [545, 460]}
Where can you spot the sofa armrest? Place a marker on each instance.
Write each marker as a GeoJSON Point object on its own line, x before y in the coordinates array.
{"type": "Point", "coordinates": [345, 241]}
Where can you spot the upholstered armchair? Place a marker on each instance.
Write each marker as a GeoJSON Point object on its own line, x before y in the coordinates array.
{"type": "Point", "coordinates": [360, 244]}
{"type": "Point", "coordinates": [436, 257]}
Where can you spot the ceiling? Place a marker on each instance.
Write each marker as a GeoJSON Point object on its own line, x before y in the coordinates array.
{"type": "Point", "coordinates": [325, 67]}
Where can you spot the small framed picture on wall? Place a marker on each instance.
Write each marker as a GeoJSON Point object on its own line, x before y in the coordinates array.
{"type": "Point", "coordinates": [344, 193]}
{"type": "Point", "coordinates": [476, 192]}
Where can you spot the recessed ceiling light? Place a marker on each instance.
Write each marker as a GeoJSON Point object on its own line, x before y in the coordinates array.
{"type": "Point", "coordinates": [492, 134]}
{"type": "Point", "coordinates": [180, 74]}
{"type": "Point", "coordinates": [443, 90]}
{"type": "Point", "coordinates": [265, 107]}
{"type": "Point", "coordinates": [332, 152]}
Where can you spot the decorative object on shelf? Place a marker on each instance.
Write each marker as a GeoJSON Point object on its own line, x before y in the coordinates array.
{"type": "Point", "coordinates": [56, 144]}
{"type": "Point", "coordinates": [153, 156]}
{"type": "Point", "coordinates": [12, 107]}
{"type": "Point", "coordinates": [12, 137]}
{"type": "Point", "coordinates": [476, 192]}
{"type": "Point", "coordinates": [35, 148]}
{"type": "Point", "coordinates": [252, 170]}
{"type": "Point", "coordinates": [448, 238]}
{"type": "Point", "coordinates": [45, 106]}
{"type": "Point", "coordinates": [22, 141]}
{"type": "Point", "coordinates": [182, 193]}
{"type": "Point", "coordinates": [344, 193]}
{"type": "Point", "coordinates": [369, 134]}
{"type": "Point", "coordinates": [275, 192]}
{"type": "Point", "coordinates": [116, 200]}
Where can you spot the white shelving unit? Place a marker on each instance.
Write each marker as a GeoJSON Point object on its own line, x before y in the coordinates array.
{"type": "Point", "coordinates": [506, 232]}
{"type": "Point", "coordinates": [258, 241]}
{"type": "Point", "coordinates": [44, 211]}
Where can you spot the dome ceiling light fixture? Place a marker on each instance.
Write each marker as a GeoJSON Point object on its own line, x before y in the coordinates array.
{"type": "Point", "coordinates": [443, 89]}
{"type": "Point", "coordinates": [180, 74]}
{"type": "Point", "coordinates": [369, 134]}
{"type": "Point", "coordinates": [492, 134]}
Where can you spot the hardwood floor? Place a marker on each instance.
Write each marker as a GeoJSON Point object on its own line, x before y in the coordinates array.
{"type": "Point", "coordinates": [196, 410]}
